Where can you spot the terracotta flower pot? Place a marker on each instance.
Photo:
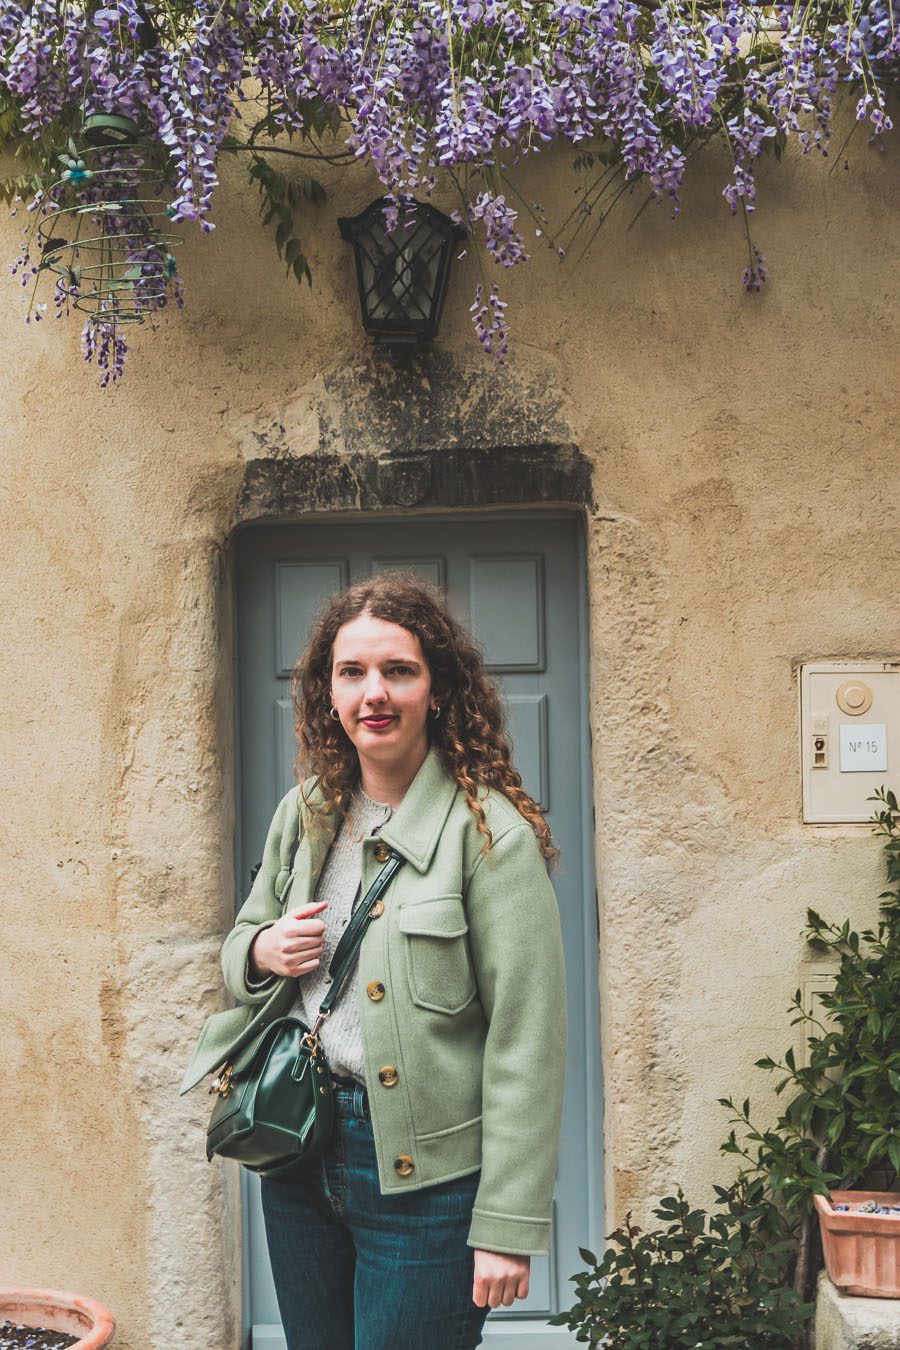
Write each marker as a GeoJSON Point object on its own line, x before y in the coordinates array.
{"type": "Point", "coordinates": [59, 1312]}
{"type": "Point", "coordinates": [862, 1251]}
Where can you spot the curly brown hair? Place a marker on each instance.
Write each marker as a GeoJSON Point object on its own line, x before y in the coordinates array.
{"type": "Point", "coordinates": [470, 734]}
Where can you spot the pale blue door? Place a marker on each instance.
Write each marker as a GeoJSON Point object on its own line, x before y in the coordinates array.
{"type": "Point", "coordinates": [519, 582]}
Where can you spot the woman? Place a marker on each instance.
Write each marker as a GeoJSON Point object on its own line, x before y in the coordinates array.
{"type": "Point", "coordinates": [447, 1043]}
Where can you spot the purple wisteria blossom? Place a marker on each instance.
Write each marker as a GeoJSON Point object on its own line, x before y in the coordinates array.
{"type": "Point", "coordinates": [104, 344]}
{"type": "Point", "coordinates": [690, 71]}
{"type": "Point", "coordinates": [436, 92]}
{"type": "Point", "coordinates": [504, 243]}
{"type": "Point", "coordinates": [491, 327]}
{"type": "Point", "coordinates": [747, 134]}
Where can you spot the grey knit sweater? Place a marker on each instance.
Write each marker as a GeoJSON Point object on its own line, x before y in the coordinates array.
{"type": "Point", "coordinates": [339, 884]}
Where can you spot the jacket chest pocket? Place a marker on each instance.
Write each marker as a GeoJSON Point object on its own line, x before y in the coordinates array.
{"type": "Point", "coordinates": [437, 953]}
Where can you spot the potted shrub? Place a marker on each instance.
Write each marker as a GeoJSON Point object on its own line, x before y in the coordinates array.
{"type": "Point", "coordinates": [846, 1105]}
{"type": "Point", "coordinates": [71, 1314]}
{"type": "Point", "coordinates": [696, 1282]}
{"type": "Point", "coordinates": [744, 1278]}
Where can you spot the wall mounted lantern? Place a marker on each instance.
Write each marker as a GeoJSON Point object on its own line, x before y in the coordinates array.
{"type": "Point", "coordinates": [401, 273]}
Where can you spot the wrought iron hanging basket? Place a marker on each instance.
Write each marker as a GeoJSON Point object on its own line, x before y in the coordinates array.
{"type": "Point", "coordinates": [107, 236]}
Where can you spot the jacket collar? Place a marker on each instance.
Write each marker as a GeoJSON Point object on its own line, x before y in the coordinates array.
{"type": "Point", "coordinates": [415, 827]}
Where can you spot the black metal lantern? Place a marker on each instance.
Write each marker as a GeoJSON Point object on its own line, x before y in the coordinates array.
{"type": "Point", "coordinates": [401, 273]}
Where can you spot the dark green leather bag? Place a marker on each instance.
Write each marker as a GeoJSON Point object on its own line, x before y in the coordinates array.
{"type": "Point", "coordinates": [274, 1109]}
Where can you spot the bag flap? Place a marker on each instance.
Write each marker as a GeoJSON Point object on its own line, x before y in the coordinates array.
{"type": "Point", "coordinates": [225, 1033]}
{"type": "Point", "coordinates": [248, 1052]}
{"type": "Point", "coordinates": [441, 916]}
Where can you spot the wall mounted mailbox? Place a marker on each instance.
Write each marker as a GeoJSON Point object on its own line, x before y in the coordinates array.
{"type": "Point", "coordinates": [849, 737]}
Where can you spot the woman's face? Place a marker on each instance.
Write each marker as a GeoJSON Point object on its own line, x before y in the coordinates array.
{"type": "Point", "coordinates": [381, 687]}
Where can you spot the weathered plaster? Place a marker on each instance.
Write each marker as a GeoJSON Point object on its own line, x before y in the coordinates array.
{"type": "Point", "coordinates": [736, 459]}
{"type": "Point", "coordinates": [441, 432]}
{"type": "Point", "coordinates": [442, 400]}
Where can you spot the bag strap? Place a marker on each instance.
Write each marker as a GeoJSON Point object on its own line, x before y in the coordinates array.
{"type": "Point", "coordinates": [353, 934]}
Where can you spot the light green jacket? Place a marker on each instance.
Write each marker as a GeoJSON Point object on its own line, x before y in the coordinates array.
{"type": "Point", "coordinates": [473, 1018]}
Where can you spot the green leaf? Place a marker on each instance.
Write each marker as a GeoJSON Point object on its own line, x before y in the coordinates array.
{"type": "Point", "coordinates": [301, 270]}
{"type": "Point", "coordinates": [279, 197]}
{"type": "Point", "coordinates": [282, 234]}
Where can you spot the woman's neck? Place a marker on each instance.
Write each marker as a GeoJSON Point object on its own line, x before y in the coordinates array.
{"type": "Point", "coordinates": [389, 782]}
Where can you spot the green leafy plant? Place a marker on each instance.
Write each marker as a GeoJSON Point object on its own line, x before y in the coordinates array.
{"type": "Point", "coordinates": [743, 1276]}
{"type": "Point", "coordinates": [698, 1281]}
{"type": "Point", "coordinates": [281, 195]}
{"type": "Point", "coordinates": [841, 1122]}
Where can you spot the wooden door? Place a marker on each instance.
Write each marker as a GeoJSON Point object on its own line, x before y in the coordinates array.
{"type": "Point", "coordinates": [518, 581]}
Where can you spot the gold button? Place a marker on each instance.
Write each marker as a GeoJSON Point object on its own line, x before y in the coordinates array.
{"type": "Point", "coordinates": [388, 1076]}
{"type": "Point", "coordinates": [403, 1165]}
{"type": "Point", "coordinates": [375, 990]}
{"type": "Point", "coordinates": [382, 852]}
{"type": "Point", "coordinates": [377, 909]}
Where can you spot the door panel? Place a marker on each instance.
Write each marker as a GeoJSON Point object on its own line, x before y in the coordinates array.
{"type": "Point", "coordinates": [300, 589]}
{"type": "Point", "coordinates": [527, 721]}
{"type": "Point", "coordinates": [518, 583]}
{"type": "Point", "coordinates": [432, 570]}
{"type": "Point", "coordinates": [506, 610]}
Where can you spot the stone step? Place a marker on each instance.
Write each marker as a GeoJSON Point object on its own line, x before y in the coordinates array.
{"type": "Point", "coordinates": [847, 1322]}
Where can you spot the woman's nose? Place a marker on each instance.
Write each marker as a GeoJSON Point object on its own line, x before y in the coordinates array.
{"type": "Point", "coordinates": [374, 692]}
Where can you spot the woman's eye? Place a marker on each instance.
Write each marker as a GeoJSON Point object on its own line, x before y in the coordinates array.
{"type": "Point", "coordinates": [402, 670]}
{"type": "Point", "coordinates": [351, 671]}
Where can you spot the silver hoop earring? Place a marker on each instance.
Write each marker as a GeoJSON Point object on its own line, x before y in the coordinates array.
{"type": "Point", "coordinates": [334, 714]}
{"type": "Point", "coordinates": [436, 712]}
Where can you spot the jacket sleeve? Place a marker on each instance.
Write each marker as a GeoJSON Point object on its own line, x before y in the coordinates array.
{"type": "Point", "coordinates": [516, 945]}
{"type": "Point", "coordinates": [263, 905]}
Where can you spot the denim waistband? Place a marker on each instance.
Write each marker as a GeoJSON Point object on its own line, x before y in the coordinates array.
{"type": "Point", "coordinates": [350, 1100]}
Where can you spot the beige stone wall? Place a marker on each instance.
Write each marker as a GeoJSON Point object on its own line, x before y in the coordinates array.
{"type": "Point", "coordinates": [747, 512]}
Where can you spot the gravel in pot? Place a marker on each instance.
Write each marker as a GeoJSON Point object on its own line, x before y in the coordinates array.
{"type": "Point", "coordinates": [16, 1336]}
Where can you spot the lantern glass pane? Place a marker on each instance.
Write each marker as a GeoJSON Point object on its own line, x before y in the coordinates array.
{"type": "Point", "coordinates": [400, 270]}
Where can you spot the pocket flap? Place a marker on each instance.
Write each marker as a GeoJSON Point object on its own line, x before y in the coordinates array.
{"type": "Point", "coordinates": [442, 916]}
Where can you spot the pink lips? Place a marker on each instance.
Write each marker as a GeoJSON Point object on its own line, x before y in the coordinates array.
{"type": "Point", "coordinates": [377, 722]}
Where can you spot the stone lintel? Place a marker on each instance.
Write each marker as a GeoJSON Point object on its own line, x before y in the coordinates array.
{"type": "Point", "coordinates": [500, 476]}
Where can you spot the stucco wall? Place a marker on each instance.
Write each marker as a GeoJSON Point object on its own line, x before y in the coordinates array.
{"type": "Point", "coordinates": [745, 511]}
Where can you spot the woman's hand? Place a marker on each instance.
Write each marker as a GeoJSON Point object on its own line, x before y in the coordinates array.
{"type": "Point", "coordinates": [292, 946]}
{"type": "Point", "coordinates": [499, 1279]}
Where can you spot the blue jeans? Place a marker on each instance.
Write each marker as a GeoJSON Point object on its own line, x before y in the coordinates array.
{"type": "Point", "coordinates": [358, 1270]}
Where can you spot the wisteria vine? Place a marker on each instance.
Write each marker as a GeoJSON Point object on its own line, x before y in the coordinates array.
{"type": "Point", "coordinates": [431, 93]}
